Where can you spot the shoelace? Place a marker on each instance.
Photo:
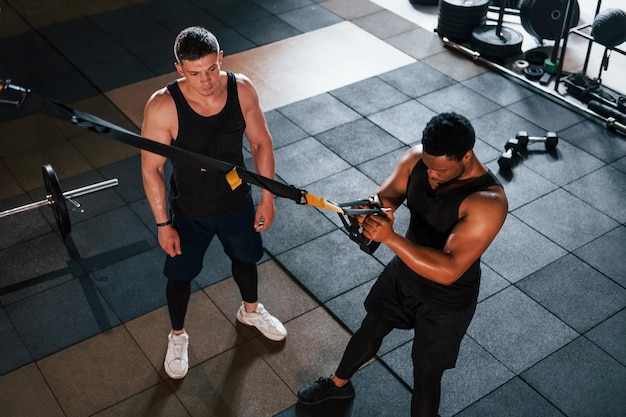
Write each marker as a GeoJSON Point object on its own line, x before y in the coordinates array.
{"type": "Point", "coordinates": [178, 348]}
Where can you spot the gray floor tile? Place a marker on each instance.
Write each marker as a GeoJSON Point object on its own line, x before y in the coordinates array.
{"type": "Point", "coordinates": [280, 6]}
{"type": "Point", "coordinates": [497, 88]}
{"type": "Point", "coordinates": [20, 387]}
{"type": "Point", "coordinates": [349, 309]}
{"type": "Point", "coordinates": [404, 121]}
{"type": "Point", "coordinates": [460, 99]}
{"type": "Point", "coordinates": [130, 298]}
{"type": "Point", "coordinates": [328, 277]}
{"type": "Point", "coordinates": [565, 219]}
{"type": "Point", "coordinates": [418, 43]}
{"type": "Point", "coordinates": [157, 401]}
{"type": "Point", "coordinates": [594, 138]}
{"type": "Point", "coordinates": [380, 168]}
{"type": "Point", "coordinates": [518, 331]}
{"type": "Point", "coordinates": [607, 254]}
{"type": "Point", "coordinates": [283, 130]}
{"type": "Point", "coordinates": [309, 18]}
{"type": "Point", "coordinates": [69, 313]}
{"type": "Point", "coordinates": [523, 186]}
{"type": "Point", "coordinates": [370, 96]}
{"type": "Point", "coordinates": [513, 399]}
{"type": "Point", "coordinates": [547, 114]}
{"type": "Point", "coordinates": [515, 238]}
{"type": "Point", "coordinates": [565, 164]}
{"type": "Point", "coordinates": [225, 384]}
{"type": "Point", "coordinates": [320, 113]}
{"type": "Point", "coordinates": [267, 30]}
{"type": "Point", "coordinates": [476, 374]}
{"type": "Point", "coordinates": [417, 79]}
{"type": "Point", "coordinates": [15, 354]}
{"type": "Point", "coordinates": [490, 283]}
{"type": "Point", "coordinates": [293, 162]}
{"type": "Point", "coordinates": [581, 380]}
{"type": "Point", "coordinates": [570, 289]}
{"type": "Point", "coordinates": [620, 164]}
{"type": "Point", "coordinates": [609, 336]}
{"type": "Point", "coordinates": [359, 141]}
{"type": "Point", "coordinates": [497, 127]}
{"type": "Point", "coordinates": [384, 24]}
{"type": "Point", "coordinates": [604, 189]}
{"type": "Point", "coordinates": [294, 225]}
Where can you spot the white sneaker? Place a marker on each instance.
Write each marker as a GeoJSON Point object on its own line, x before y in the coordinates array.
{"type": "Point", "coordinates": [267, 324]}
{"type": "Point", "coordinates": [176, 361]}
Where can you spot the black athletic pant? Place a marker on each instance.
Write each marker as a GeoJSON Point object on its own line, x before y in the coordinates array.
{"type": "Point", "coordinates": [363, 346]}
{"type": "Point", "coordinates": [178, 292]}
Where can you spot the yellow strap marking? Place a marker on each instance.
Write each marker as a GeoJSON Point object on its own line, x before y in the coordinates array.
{"type": "Point", "coordinates": [233, 179]}
{"type": "Point", "coordinates": [315, 201]}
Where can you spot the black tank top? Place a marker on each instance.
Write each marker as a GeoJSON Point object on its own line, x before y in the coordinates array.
{"type": "Point", "coordinates": [198, 193]}
{"type": "Point", "coordinates": [434, 214]}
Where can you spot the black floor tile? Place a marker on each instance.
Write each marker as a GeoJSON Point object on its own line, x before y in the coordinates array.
{"type": "Point", "coordinates": [604, 189]}
{"type": "Point", "coordinates": [370, 96]}
{"type": "Point", "coordinates": [320, 113]}
{"type": "Point", "coordinates": [607, 254]}
{"type": "Point", "coordinates": [570, 289]}
{"type": "Point", "coordinates": [609, 336]}
{"type": "Point", "coordinates": [514, 399]}
{"type": "Point", "coordinates": [498, 88]}
{"type": "Point", "coordinates": [417, 79]}
{"type": "Point", "coordinates": [547, 114]}
{"type": "Point", "coordinates": [594, 138]}
{"type": "Point", "coordinates": [460, 99]}
{"type": "Point", "coordinates": [15, 354]}
{"type": "Point", "coordinates": [581, 380]}
{"type": "Point", "coordinates": [266, 30]}
{"type": "Point", "coordinates": [405, 121]}
{"type": "Point", "coordinates": [309, 18]}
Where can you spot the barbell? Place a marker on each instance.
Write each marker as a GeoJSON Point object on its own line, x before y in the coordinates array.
{"type": "Point", "coordinates": [56, 199]}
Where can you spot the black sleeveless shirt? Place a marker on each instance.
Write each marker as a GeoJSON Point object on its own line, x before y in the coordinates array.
{"type": "Point", "coordinates": [199, 193]}
{"type": "Point", "coordinates": [434, 214]}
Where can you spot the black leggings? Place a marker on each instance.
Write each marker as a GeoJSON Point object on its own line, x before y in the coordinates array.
{"type": "Point", "coordinates": [364, 345]}
{"type": "Point", "coordinates": [178, 292]}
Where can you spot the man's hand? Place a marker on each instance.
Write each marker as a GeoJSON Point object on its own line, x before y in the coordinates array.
{"type": "Point", "coordinates": [264, 215]}
{"type": "Point", "coordinates": [379, 228]}
{"type": "Point", "coordinates": [169, 240]}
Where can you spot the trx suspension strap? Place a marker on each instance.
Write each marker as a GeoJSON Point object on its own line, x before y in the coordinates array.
{"type": "Point", "coordinates": [235, 175]}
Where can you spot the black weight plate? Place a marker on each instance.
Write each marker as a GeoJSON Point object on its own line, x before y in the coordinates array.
{"type": "Point", "coordinates": [486, 40]}
{"type": "Point", "coordinates": [56, 200]}
{"type": "Point", "coordinates": [543, 19]}
{"type": "Point", "coordinates": [533, 72]}
{"type": "Point", "coordinates": [464, 3]}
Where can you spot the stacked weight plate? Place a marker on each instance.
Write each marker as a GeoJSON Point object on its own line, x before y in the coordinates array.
{"type": "Point", "coordinates": [458, 18]}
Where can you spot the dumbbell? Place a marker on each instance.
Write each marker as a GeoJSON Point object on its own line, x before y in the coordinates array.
{"type": "Point", "coordinates": [550, 140]}
{"type": "Point", "coordinates": [520, 142]}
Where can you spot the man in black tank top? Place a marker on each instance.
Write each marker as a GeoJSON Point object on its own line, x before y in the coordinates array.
{"type": "Point", "coordinates": [207, 111]}
{"type": "Point", "coordinates": [457, 208]}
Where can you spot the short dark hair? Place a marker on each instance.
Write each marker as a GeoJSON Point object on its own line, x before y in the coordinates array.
{"type": "Point", "coordinates": [448, 134]}
{"type": "Point", "coordinates": [194, 43]}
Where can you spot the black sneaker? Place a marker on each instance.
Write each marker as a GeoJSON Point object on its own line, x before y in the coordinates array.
{"type": "Point", "coordinates": [324, 389]}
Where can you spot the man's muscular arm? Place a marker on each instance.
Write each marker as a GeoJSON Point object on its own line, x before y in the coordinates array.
{"type": "Point", "coordinates": [158, 126]}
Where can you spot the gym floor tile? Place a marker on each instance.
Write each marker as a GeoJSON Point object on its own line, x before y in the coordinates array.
{"type": "Point", "coordinates": [497, 88]}
{"type": "Point", "coordinates": [24, 385]}
{"type": "Point", "coordinates": [518, 344]}
{"type": "Point", "coordinates": [571, 228]}
{"type": "Point", "coordinates": [595, 139]}
{"type": "Point", "coordinates": [516, 237]}
{"type": "Point", "coordinates": [351, 9]}
{"type": "Point", "coordinates": [281, 6]}
{"type": "Point", "coordinates": [580, 367]}
{"type": "Point", "coordinates": [15, 354]}
{"type": "Point", "coordinates": [416, 79]}
{"type": "Point", "coordinates": [384, 24]}
{"type": "Point", "coordinates": [570, 289]}
{"type": "Point", "coordinates": [156, 401]}
{"type": "Point", "coordinates": [497, 127]}
{"type": "Point", "coordinates": [380, 168]}
{"type": "Point", "coordinates": [477, 374]}
{"type": "Point", "coordinates": [299, 156]}
{"type": "Point", "coordinates": [524, 186]}
{"type": "Point", "coordinates": [611, 182]}
{"type": "Point", "coordinates": [309, 18]}
{"type": "Point", "coordinates": [515, 399]}
{"type": "Point", "coordinates": [348, 308]}
{"type": "Point", "coordinates": [283, 130]}
{"type": "Point", "coordinates": [92, 375]}
{"type": "Point", "coordinates": [454, 66]}
{"type": "Point", "coordinates": [316, 271]}
{"type": "Point", "coordinates": [404, 121]}
{"type": "Point", "coordinates": [609, 336]}
{"type": "Point", "coordinates": [370, 96]}
{"type": "Point", "coordinates": [460, 99]}
{"type": "Point", "coordinates": [490, 282]}
{"type": "Point", "coordinates": [563, 165]}
{"type": "Point", "coordinates": [214, 388]}
{"type": "Point", "coordinates": [607, 254]}
{"type": "Point", "coordinates": [546, 113]}
{"type": "Point", "coordinates": [267, 30]}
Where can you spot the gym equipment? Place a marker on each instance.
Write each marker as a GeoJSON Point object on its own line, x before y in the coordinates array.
{"type": "Point", "coordinates": [520, 143]}
{"type": "Point", "coordinates": [544, 19]}
{"type": "Point", "coordinates": [609, 27]}
{"type": "Point", "coordinates": [355, 231]}
{"type": "Point", "coordinates": [56, 199]}
{"type": "Point", "coordinates": [458, 18]}
{"type": "Point", "coordinates": [497, 41]}
{"type": "Point", "coordinates": [609, 122]}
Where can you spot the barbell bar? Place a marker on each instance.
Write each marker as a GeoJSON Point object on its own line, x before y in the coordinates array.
{"type": "Point", "coordinates": [56, 198]}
